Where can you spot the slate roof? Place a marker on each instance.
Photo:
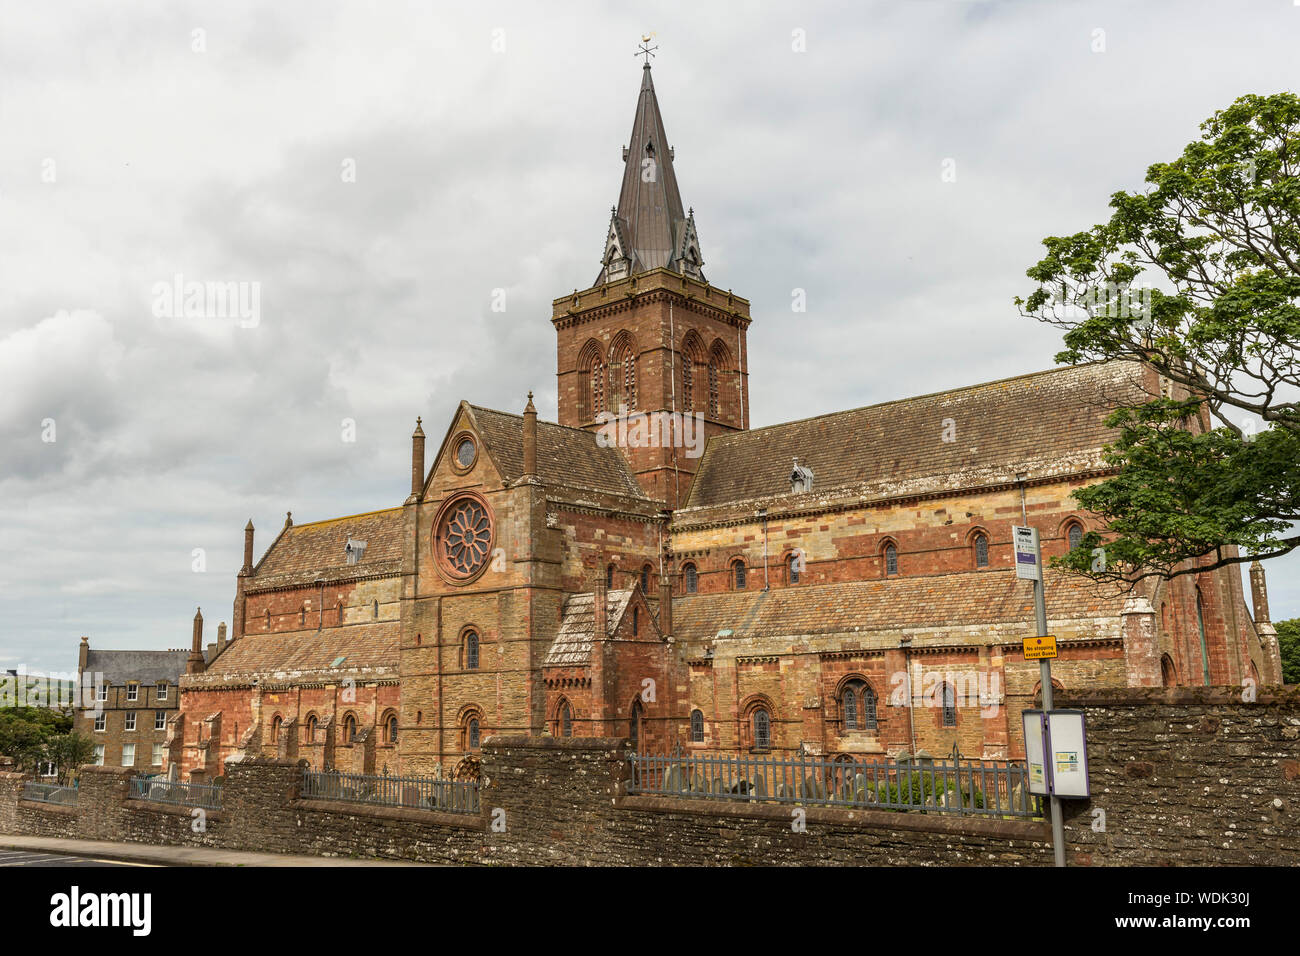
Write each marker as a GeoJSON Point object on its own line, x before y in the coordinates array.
{"type": "Point", "coordinates": [1042, 423]}
{"type": "Point", "coordinates": [893, 604]}
{"type": "Point", "coordinates": [372, 646]}
{"type": "Point", "coordinates": [572, 644]}
{"type": "Point", "coordinates": [305, 552]}
{"type": "Point", "coordinates": [145, 667]}
{"type": "Point", "coordinates": [565, 456]}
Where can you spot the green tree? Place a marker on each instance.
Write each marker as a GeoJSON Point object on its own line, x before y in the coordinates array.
{"type": "Point", "coordinates": [26, 731]}
{"type": "Point", "coordinates": [1288, 642]}
{"type": "Point", "coordinates": [68, 752]}
{"type": "Point", "coordinates": [1198, 276]}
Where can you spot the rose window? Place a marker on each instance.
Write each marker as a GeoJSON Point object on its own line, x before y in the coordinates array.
{"type": "Point", "coordinates": [466, 537]}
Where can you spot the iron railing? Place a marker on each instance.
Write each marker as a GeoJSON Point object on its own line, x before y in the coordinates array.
{"type": "Point", "coordinates": [178, 793]}
{"type": "Point", "coordinates": [391, 790]}
{"type": "Point", "coordinates": [988, 788]}
{"type": "Point", "coordinates": [50, 793]}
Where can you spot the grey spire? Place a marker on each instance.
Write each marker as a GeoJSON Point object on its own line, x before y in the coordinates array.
{"type": "Point", "coordinates": [649, 228]}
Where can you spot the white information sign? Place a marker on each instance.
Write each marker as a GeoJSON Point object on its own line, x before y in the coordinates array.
{"type": "Point", "coordinates": [1056, 751]}
{"type": "Point", "coordinates": [1029, 563]}
{"type": "Point", "coordinates": [1034, 744]}
{"type": "Point", "coordinates": [1069, 753]}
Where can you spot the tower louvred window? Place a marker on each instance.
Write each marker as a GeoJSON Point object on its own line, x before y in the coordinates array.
{"type": "Point", "coordinates": [597, 374]}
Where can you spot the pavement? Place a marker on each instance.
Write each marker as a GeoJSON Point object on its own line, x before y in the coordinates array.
{"type": "Point", "coordinates": [53, 851]}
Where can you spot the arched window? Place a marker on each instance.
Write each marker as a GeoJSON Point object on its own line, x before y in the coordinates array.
{"type": "Point", "coordinates": [376, 607]}
{"type": "Point", "coordinates": [472, 733]}
{"type": "Point", "coordinates": [858, 702]}
{"type": "Point", "coordinates": [692, 355]}
{"type": "Point", "coordinates": [981, 551]}
{"type": "Point", "coordinates": [609, 577]}
{"type": "Point", "coordinates": [302, 615]}
{"type": "Point", "coordinates": [891, 558]}
{"type": "Point", "coordinates": [692, 578]}
{"type": "Point", "coordinates": [792, 563]}
{"type": "Point", "coordinates": [268, 619]}
{"type": "Point", "coordinates": [762, 726]}
{"type": "Point", "coordinates": [634, 726]}
{"type": "Point", "coordinates": [636, 621]}
{"type": "Point", "coordinates": [1168, 675]}
{"type": "Point", "coordinates": [564, 719]}
{"type": "Point", "coordinates": [697, 727]}
{"type": "Point", "coordinates": [275, 728]}
{"type": "Point", "coordinates": [622, 374]}
{"type": "Point", "coordinates": [1074, 534]}
{"type": "Point", "coordinates": [471, 650]}
{"type": "Point", "coordinates": [738, 575]}
{"type": "Point", "coordinates": [645, 579]}
{"type": "Point", "coordinates": [311, 728]}
{"type": "Point", "coordinates": [949, 706]}
{"type": "Point", "coordinates": [349, 728]}
{"type": "Point", "coordinates": [390, 729]}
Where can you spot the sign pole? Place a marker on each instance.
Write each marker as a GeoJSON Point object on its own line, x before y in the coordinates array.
{"type": "Point", "coordinates": [1028, 555]}
{"type": "Point", "coordinates": [1045, 675]}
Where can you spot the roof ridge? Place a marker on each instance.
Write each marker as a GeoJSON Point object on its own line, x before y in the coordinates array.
{"type": "Point", "coordinates": [914, 398]}
{"type": "Point", "coordinates": [362, 514]}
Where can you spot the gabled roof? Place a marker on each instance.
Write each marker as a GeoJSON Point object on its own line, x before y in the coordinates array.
{"type": "Point", "coordinates": [143, 667]}
{"type": "Point", "coordinates": [572, 644]}
{"type": "Point", "coordinates": [649, 221]}
{"type": "Point", "coordinates": [569, 457]}
{"type": "Point", "coordinates": [372, 647]}
{"type": "Point", "coordinates": [1044, 423]}
{"type": "Point", "coordinates": [890, 605]}
{"type": "Point", "coordinates": [304, 552]}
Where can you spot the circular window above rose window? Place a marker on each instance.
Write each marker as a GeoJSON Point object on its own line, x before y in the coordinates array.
{"type": "Point", "coordinates": [463, 534]}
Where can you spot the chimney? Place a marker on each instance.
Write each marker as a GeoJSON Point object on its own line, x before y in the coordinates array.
{"type": "Point", "coordinates": [248, 548]}
{"type": "Point", "coordinates": [83, 653]}
{"type": "Point", "coordinates": [194, 665]}
{"type": "Point", "coordinates": [1259, 593]}
{"type": "Point", "coordinates": [417, 459]}
{"type": "Point", "coordinates": [221, 637]}
{"type": "Point", "coordinates": [530, 438]}
{"type": "Point", "coordinates": [666, 604]}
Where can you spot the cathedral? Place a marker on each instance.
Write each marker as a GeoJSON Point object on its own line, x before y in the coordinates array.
{"type": "Point", "coordinates": [652, 566]}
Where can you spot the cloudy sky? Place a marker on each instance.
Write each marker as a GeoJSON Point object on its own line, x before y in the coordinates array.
{"type": "Point", "coordinates": [377, 170]}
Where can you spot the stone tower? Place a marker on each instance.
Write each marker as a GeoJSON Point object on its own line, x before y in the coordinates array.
{"type": "Point", "coordinates": [652, 353]}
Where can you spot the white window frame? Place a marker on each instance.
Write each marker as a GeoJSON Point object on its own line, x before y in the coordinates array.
{"type": "Point", "coordinates": [102, 693]}
{"type": "Point", "coordinates": [157, 755]}
{"type": "Point", "coordinates": [160, 692]}
{"type": "Point", "coordinates": [48, 770]}
{"type": "Point", "coordinates": [101, 723]}
{"type": "Point", "coordinates": [99, 755]}
{"type": "Point", "coordinates": [128, 749]}
{"type": "Point", "coordinates": [132, 691]}
{"type": "Point", "coordinates": [160, 720]}
{"type": "Point", "coordinates": [130, 720]}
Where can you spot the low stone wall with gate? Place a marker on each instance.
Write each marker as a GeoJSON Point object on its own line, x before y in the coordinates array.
{"type": "Point", "coordinates": [1183, 776]}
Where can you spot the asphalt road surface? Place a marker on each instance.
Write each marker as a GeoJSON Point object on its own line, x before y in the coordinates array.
{"type": "Point", "coordinates": [35, 858]}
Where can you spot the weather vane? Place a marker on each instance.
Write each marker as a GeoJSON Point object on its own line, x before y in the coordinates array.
{"type": "Point", "coordinates": [645, 49]}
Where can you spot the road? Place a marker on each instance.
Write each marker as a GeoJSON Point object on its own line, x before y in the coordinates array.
{"type": "Point", "coordinates": [33, 858]}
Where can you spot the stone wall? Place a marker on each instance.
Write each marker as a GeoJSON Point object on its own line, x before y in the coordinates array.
{"type": "Point", "coordinates": [1189, 776]}
{"type": "Point", "coordinates": [1186, 776]}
